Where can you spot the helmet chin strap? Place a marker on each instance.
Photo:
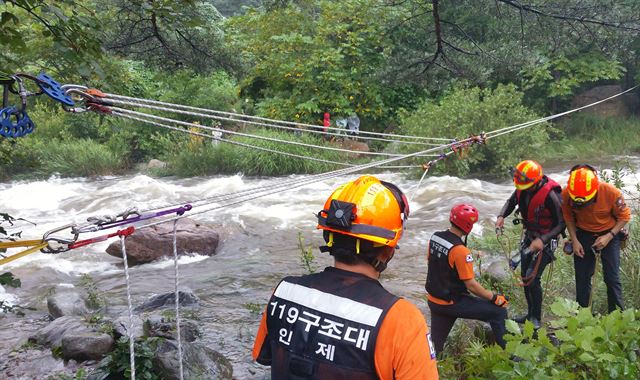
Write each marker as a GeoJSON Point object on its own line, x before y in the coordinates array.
{"type": "Point", "coordinates": [380, 265]}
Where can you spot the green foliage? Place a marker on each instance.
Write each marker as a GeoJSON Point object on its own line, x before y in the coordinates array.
{"type": "Point", "coordinates": [75, 158]}
{"type": "Point", "coordinates": [580, 346]}
{"type": "Point", "coordinates": [117, 362]}
{"type": "Point", "coordinates": [215, 91]}
{"type": "Point", "coordinates": [8, 279]}
{"type": "Point", "coordinates": [584, 137]}
{"type": "Point", "coordinates": [95, 299]}
{"type": "Point", "coordinates": [226, 158]}
{"type": "Point", "coordinates": [465, 112]}
{"type": "Point", "coordinates": [561, 75]}
{"type": "Point", "coordinates": [254, 308]}
{"type": "Point", "coordinates": [81, 374]}
{"type": "Point", "coordinates": [62, 35]}
{"type": "Point", "coordinates": [312, 57]}
{"type": "Point", "coordinates": [56, 352]}
{"type": "Point", "coordinates": [307, 258]}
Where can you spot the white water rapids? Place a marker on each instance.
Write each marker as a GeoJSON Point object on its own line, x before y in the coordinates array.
{"type": "Point", "coordinates": [258, 246]}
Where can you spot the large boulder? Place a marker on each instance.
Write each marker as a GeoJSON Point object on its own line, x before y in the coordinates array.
{"type": "Point", "coordinates": [354, 146]}
{"type": "Point", "coordinates": [159, 326]}
{"type": "Point", "coordinates": [621, 106]}
{"type": "Point", "coordinates": [156, 164]}
{"type": "Point", "coordinates": [66, 303]}
{"type": "Point", "coordinates": [199, 362]}
{"type": "Point", "coordinates": [86, 346]}
{"type": "Point", "coordinates": [152, 243]}
{"type": "Point", "coordinates": [161, 301]}
{"type": "Point", "coordinates": [51, 335]}
{"type": "Point", "coordinates": [498, 271]}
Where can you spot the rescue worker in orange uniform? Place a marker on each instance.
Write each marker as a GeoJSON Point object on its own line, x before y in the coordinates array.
{"type": "Point", "coordinates": [341, 323]}
{"type": "Point", "coordinates": [595, 212]}
{"type": "Point", "coordinates": [451, 283]}
{"type": "Point", "coordinates": [538, 200]}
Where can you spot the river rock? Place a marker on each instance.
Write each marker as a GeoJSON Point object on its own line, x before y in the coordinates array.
{"type": "Point", "coordinates": [354, 146]}
{"type": "Point", "coordinates": [152, 243]}
{"type": "Point", "coordinates": [156, 164]}
{"type": "Point", "coordinates": [497, 271]}
{"type": "Point", "coordinates": [199, 362]}
{"type": "Point", "coordinates": [67, 303]}
{"type": "Point", "coordinates": [121, 327]}
{"type": "Point", "coordinates": [160, 301]}
{"type": "Point", "coordinates": [51, 335]}
{"type": "Point", "coordinates": [159, 326]}
{"type": "Point", "coordinates": [86, 346]}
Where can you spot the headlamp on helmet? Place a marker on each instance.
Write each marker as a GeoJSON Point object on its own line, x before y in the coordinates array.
{"type": "Point", "coordinates": [368, 209]}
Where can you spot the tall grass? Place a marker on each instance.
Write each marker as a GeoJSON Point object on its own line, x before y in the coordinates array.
{"type": "Point", "coordinates": [73, 158]}
{"type": "Point", "coordinates": [225, 158]}
{"type": "Point", "coordinates": [583, 137]}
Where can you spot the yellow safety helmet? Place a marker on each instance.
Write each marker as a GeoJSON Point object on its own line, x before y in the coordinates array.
{"type": "Point", "coordinates": [368, 209]}
{"type": "Point", "coordinates": [583, 184]}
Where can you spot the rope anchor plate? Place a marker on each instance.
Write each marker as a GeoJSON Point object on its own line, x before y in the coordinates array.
{"type": "Point", "coordinates": [53, 89]}
{"type": "Point", "coordinates": [14, 123]}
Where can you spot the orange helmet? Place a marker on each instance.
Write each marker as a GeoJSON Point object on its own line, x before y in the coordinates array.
{"type": "Point", "coordinates": [583, 184]}
{"type": "Point", "coordinates": [368, 209]}
{"type": "Point", "coordinates": [526, 174]}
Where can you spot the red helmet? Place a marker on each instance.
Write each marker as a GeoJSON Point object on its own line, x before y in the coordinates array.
{"type": "Point", "coordinates": [464, 216]}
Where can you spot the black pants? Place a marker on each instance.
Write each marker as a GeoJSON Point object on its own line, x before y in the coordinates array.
{"type": "Point", "coordinates": [533, 291]}
{"type": "Point", "coordinates": [585, 268]}
{"type": "Point", "coordinates": [468, 307]}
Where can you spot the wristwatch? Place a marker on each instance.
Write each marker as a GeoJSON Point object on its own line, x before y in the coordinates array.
{"type": "Point", "coordinates": [612, 234]}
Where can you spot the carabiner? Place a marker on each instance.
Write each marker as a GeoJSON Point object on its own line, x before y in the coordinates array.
{"type": "Point", "coordinates": [63, 242]}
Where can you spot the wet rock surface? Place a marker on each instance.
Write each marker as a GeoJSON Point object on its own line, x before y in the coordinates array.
{"type": "Point", "coordinates": [149, 244]}
{"type": "Point", "coordinates": [66, 304]}
{"type": "Point", "coordinates": [161, 301]}
{"type": "Point", "coordinates": [199, 362]}
{"type": "Point", "coordinates": [86, 346]}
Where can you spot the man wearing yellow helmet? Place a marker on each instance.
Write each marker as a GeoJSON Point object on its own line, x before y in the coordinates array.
{"type": "Point", "coordinates": [341, 323]}
{"type": "Point", "coordinates": [595, 213]}
{"type": "Point", "coordinates": [537, 198]}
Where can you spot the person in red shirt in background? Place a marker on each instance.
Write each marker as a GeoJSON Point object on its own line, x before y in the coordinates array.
{"type": "Point", "coordinates": [451, 282]}
{"type": "Point", "coordinates": [595, 213]}
{"type": "Point", "coordinates": [341, 323]}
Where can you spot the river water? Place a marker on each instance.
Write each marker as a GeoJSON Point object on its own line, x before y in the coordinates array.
{"type": "Point", "coordinates": [258, 246]}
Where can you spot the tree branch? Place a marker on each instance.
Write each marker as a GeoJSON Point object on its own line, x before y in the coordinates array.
{"type": "Point", "coordinates": [582, 20]}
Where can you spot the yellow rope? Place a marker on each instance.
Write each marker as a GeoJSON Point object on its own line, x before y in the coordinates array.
{"type": "Point", "coordinates": [38, 247]}
{"type": "Point", "coordinates": [19, 243]}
